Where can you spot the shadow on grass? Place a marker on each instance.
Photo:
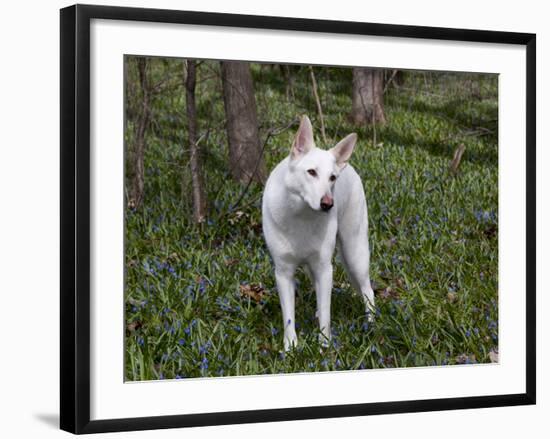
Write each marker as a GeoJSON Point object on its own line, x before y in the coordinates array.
{"type": "Point", "coordinates": [480, 139]}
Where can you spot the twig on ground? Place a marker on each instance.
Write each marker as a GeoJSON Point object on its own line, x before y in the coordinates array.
{"type": "Point", "coordinates": [455, 163]}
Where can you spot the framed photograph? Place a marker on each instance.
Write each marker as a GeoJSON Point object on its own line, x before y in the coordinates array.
{"type": "Point", "coordinates": [275, 218]}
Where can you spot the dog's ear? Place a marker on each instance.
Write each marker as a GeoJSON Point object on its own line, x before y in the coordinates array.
{"type": "Point", "coordinates": [303, 142]}
{"type": "Point", "coordinates": [342, 151]}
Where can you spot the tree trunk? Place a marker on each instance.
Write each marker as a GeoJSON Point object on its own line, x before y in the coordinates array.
{"type": "Point", "coordinates": [245, 154]}
{"type": "Point", "coordinates": [144, 116]}
{"type": "Point", "coordinates": [367, 97]}
{"type": "Point", "coordinates": [199, 199]}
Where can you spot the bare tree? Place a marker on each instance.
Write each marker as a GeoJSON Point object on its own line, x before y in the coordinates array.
{"type": "Point", "coordinates": [368, 97]}
{"type": "Point", "coordinates": [318, 103]}
{"type": "Point", "coordinates": [199, 198]}
{"type": "Point", "coordinates": [245, 153]}
{"type": "Point", "coordinates": [143, 119]}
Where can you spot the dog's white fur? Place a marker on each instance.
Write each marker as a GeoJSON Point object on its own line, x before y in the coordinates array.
{"type": "Point", "coordinates": [299, 232]}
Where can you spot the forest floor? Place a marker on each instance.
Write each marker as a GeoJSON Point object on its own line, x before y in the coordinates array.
{"type": "Point", "coordinates": [201, 300]}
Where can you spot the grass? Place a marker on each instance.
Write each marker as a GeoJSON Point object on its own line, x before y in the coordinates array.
{"type": "Point", "coordinates": [201, 300]}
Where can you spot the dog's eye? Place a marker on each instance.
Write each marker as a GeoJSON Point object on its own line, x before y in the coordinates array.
{"type": "Point", "coordinates": [312, 172]}
{"type": "Point", "coordinates": [332, 177]}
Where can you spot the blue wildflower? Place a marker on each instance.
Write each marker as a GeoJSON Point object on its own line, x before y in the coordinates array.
{"type": "Point", "coordinates": [204, 348]}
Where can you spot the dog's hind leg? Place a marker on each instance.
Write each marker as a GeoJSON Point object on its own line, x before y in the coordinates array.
{"type": "Point", "coordinates": [355, 257]}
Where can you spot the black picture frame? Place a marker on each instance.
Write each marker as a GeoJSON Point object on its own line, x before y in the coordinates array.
{"type": "Point", "coordinates": [75, 217]}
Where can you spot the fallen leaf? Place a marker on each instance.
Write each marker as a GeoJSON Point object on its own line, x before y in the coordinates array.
{"type": "Point", "coordinates": [387, 293]}
{"type": "Point", "coordinates": [451, 297]}
{"type": "Point", "coordinates": [255, 292]}
{"type": "Point", "coordinates": [230, 262]}
{"type": "Point", "coordinates": [133, 327]}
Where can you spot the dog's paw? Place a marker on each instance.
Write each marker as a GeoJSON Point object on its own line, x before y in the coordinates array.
{"type": "Point", "coordinates": [290, 342]}
{"type": "Point", "coordinates": [324, 341]}
{"type": "Point", "coordinates": [370, 312]}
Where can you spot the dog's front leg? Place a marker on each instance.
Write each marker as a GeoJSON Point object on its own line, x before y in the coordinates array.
{"type": "Point", "coordinates": [322, 274]}
{"type": "Point", "coordinates": [284, 276]}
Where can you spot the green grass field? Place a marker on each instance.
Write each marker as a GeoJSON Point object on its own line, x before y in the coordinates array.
{"type": "Point", "coordinates": [201, 300]}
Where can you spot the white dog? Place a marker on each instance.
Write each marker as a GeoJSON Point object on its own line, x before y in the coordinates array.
{"type": "Point", "coordinates": [312, 201]}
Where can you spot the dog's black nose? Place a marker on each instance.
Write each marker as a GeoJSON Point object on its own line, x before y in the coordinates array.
{"type": "Point", "coordinates": [326, 202]}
